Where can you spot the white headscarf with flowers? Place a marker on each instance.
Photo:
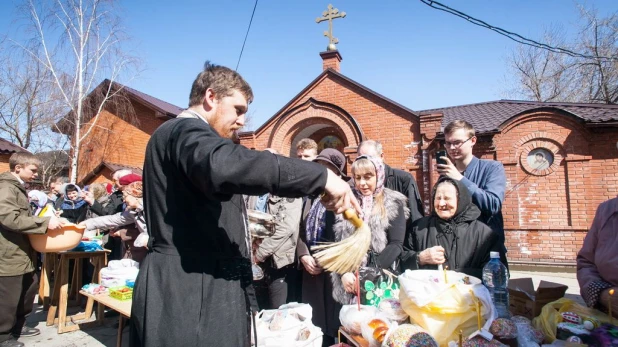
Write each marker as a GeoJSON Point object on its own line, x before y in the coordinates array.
{"type": "Point", "coordinates": [366, 202]}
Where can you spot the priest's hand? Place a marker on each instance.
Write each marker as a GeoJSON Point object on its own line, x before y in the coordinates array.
{"type": "Point", "coordinates": [449, 170]}
{"type": "Point", "coordinates": [338, 195]}
{"type": "Point", "coordinates": [432, 256]}
{"type": "Point", "coordinates": [311, 265]}
{"type": "Point", "coordinates": [349, 282]}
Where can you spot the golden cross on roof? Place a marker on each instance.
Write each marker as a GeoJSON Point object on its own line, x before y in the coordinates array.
{"type": "Point", "coordinates": [330, 14]}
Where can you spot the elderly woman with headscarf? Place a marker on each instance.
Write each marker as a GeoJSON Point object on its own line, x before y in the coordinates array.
{"type": "Point", "coordinates": [385, 212]}
{"type": "Point", "coordinates": [134, 235]}
{"type": "Point", "coordinates": [451, 235]}
{"type": "Point", "coordinates": [38, 201]}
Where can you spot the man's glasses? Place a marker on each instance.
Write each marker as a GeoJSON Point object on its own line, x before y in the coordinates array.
{"type": "Point", "coordinates": [456, 144]}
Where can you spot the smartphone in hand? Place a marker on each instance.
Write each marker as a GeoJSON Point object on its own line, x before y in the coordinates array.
{"type": "Point", "coordinates": [440, 155]}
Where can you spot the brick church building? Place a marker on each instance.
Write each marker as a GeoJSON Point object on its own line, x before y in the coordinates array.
{"type": "Point", "coordinates": [561, 159]}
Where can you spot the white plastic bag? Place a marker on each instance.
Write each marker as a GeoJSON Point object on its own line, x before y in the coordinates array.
{"type": "Point", "coordinates": [368, 332]}
{"type": "Point", "coordinates": [141, 240]}
{"type": "Point", "coordinates": [290, 325]}
{"type": "Point", "coordinates": [352, 319]}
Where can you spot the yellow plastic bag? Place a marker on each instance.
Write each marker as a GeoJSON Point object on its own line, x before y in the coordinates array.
{"type": "Point", "coordinates": [443, 309]}
{"type": "Point", "coordinates": [550, 316]}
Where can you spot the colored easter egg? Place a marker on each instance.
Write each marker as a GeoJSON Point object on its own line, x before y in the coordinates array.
{"type": "Point", "coordinates": [571, 317]}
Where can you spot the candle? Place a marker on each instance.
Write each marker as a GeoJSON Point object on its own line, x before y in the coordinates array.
{"type": "Point", "coordinates": [358, 298]}
{"type": "Point", "coordinates": [460, 338]}
{"type": "Point", "coordinates": [609, 306]}
{"type": "Point", "coordinates": [445, 275]}
{"type": "Point", "coordinates": [478, 313]}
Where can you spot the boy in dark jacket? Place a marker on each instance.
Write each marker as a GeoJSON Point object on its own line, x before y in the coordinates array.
{"type": "Point", "coordinates": [18, 280]}
{"type": "Point", "coordinates": [74, 207]}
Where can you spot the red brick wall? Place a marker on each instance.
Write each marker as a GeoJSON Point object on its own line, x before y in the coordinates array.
{"type": "Point", "coordinates": [378, 119]}
{"type": "Point", "coordinates": [547, 216]}
{"type": "Point", "coordinates": [4, 162]}
{"type": "Point", "coordinates": [117, 140]}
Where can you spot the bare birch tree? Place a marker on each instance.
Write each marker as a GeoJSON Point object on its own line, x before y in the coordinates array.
{"type": "Point", "coordinates": [26, 102]}
{"type": "Point", "coordinates": [79, 43]}
{"type": "Point", "coordinates": [542, 75]}
{"type": "Point", "coordinates": [598, 38]}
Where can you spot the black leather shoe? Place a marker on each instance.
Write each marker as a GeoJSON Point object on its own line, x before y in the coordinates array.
{"type": "Point", "coordinates": [27, 332]}
{"type": "Point", "coordinates": [11, 343]}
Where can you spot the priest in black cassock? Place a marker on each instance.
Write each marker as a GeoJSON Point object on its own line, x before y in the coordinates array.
{"type": "Point", "coordinates": [192, 285]}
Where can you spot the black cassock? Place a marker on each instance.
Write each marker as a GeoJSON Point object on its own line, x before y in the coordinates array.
{"type": "Point", "coordinates": [191, 286]}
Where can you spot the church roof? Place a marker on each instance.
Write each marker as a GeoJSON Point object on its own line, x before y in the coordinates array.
{"type": "Point", "coordinates": [112, 167]}
{"type": "Point", "coordinates": [489, 116]}
{"type": "Point", "coordinates": [321, 76]}
{"type": "Point", "coordinates": [7, 147]}
{"type": "Point", "coordinates": [163, 106]}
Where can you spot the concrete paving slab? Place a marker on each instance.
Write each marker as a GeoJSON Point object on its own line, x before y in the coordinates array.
{"type": "Point", "coordinates": [104, 335]}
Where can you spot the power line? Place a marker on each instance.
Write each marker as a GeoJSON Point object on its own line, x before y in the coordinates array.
{"type": "Point", "coordinates": [511, 35]}
{"type": "Point", "coordinates": [246, 35]}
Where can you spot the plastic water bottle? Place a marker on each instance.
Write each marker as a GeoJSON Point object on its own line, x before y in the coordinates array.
{"type": "Point", "coordinates": [496, 280]}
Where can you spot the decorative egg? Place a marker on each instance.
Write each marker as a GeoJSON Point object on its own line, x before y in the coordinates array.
{"type": "Point", "coordinates": [571, 317]}
{"type": "Point", "coordinates": [574, 339]}
{"type": "Point", "coordinates": [591, 323]}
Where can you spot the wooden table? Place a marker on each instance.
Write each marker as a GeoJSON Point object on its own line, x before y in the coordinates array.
{"type": "Point", "coordinates": [121, 306]}
{"type": "Point", "coordinates": [60, 295]}
{"type": "Point", "coordinates": [352, 339]}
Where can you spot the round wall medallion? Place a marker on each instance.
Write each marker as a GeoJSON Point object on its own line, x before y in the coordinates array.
{"type": "Point", "coordinates": [540, 159]}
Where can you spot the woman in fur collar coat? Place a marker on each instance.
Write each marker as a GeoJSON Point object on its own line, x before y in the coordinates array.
{"type": "Point", "coordinates": [385, 212]}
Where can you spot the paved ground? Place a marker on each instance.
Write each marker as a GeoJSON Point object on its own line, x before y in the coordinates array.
{"type": "Point", "coordinates": [106, 334]}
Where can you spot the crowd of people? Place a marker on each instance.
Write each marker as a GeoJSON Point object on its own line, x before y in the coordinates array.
{"type": "Point", "coordinates": [187, 224]}
{"type": "Point", "coordinates": [115, 210]}
{"type": "Point", "coordinates": [454, 233]}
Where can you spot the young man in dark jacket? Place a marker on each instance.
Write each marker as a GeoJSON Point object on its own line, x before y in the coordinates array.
{"type": "Point", "coordinates": [484, 179]}
{"type": "Point", "coordinates": [18, 279]}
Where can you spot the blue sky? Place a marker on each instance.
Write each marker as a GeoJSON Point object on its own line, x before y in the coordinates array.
{"type": "Point", "coordinates": [418, 56]}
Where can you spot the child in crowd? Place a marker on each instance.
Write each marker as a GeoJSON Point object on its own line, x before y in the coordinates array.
{"type": "Point", "coordinates": [74, 207]}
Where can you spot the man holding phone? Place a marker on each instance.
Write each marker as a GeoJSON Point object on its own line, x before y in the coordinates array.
{"type": "Point", "coordinates": [485, 179]}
